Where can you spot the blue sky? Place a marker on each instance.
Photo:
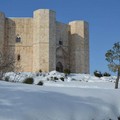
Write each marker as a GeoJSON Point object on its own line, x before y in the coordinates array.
{"type": "Point", "coordinates": [103, 17]}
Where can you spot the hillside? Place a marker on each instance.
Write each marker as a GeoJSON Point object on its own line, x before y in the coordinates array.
{"type": "Point", "coordinates": [78, 97]}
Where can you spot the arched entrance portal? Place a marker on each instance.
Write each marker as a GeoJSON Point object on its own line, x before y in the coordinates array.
{"type": "Point", "coordinates": [59, 67]}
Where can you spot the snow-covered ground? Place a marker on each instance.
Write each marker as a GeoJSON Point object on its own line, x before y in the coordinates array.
{"type": "Point", "coordinates": [78, 97]}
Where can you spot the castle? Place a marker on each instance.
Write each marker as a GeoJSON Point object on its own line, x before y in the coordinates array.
{"type": "Point", "coordinates": [43, 43]}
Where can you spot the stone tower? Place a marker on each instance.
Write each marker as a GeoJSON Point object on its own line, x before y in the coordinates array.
{"type": "Point", "coordinates": [44, 40]}
{"type": "Point", "coordinates": [41, 42]}
{"type": "Point", "coordinates": [79, 50]}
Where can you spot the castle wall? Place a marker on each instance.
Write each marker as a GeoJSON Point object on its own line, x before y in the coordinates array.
{"type": "Point", "coordinates": [79, 50]}
{"type": "Point", "coordinates": [44, 42]}
{"type": "Point", "coordinates": [10, 30]}
{"type": "Point", "coordinates": [86, 32]}
{"type": "Point", "coordinates": [2, 31]}
{"type": "Point", "coordinates": [52, 40]}
{"type": "Point", "coordinates": [23, 28]}
{"type": "Point", "coordinates": [62, 34]}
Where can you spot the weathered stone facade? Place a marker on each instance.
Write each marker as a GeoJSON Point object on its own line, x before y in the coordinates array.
{"type": "Point", "coordinates": [43, 43]}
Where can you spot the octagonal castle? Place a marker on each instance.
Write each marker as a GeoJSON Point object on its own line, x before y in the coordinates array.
{"type": "Point", "coordinates": [43, 43]}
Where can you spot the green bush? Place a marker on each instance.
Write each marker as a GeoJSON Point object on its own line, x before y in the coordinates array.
{"type": "Point", "coordinates": [106, 74]}
{"type": "Point", "coordinates": [7, 78]}
{"type": "Point", "coordinates": [29, 80]}
{"type": "Point", "coordinates": [55, 78]}
{"type": "Point", "coordinates": [98, 74]}
{"type": "Point", "coordinates": [67, 71]}
{"type": "Point", "coordinates": [51, 78]}
{"type": "Point", "coordinates": [40, 71]}
{"type": "Point", "coordinates": [62, 78]}
{"type": "Point", "coordinates": [40, 83]}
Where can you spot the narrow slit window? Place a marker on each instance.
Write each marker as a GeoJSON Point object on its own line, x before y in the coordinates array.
{"type": "Point", "coordinates": [18, 58]}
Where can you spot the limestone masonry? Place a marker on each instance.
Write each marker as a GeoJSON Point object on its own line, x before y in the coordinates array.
{"type": "Point", "coordinates": [43, 43]}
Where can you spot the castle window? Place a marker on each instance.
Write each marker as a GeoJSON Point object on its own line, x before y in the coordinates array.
{"type": "Point", "coordinates": [18, 57]}
{"type": "Point", "coordinates": [18, 39]}
{"type": "Point", "coordinates": [60, 43]}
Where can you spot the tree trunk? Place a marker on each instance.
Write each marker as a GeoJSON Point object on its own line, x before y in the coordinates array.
{"type": "Point", "coordinates": [117, 80]}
